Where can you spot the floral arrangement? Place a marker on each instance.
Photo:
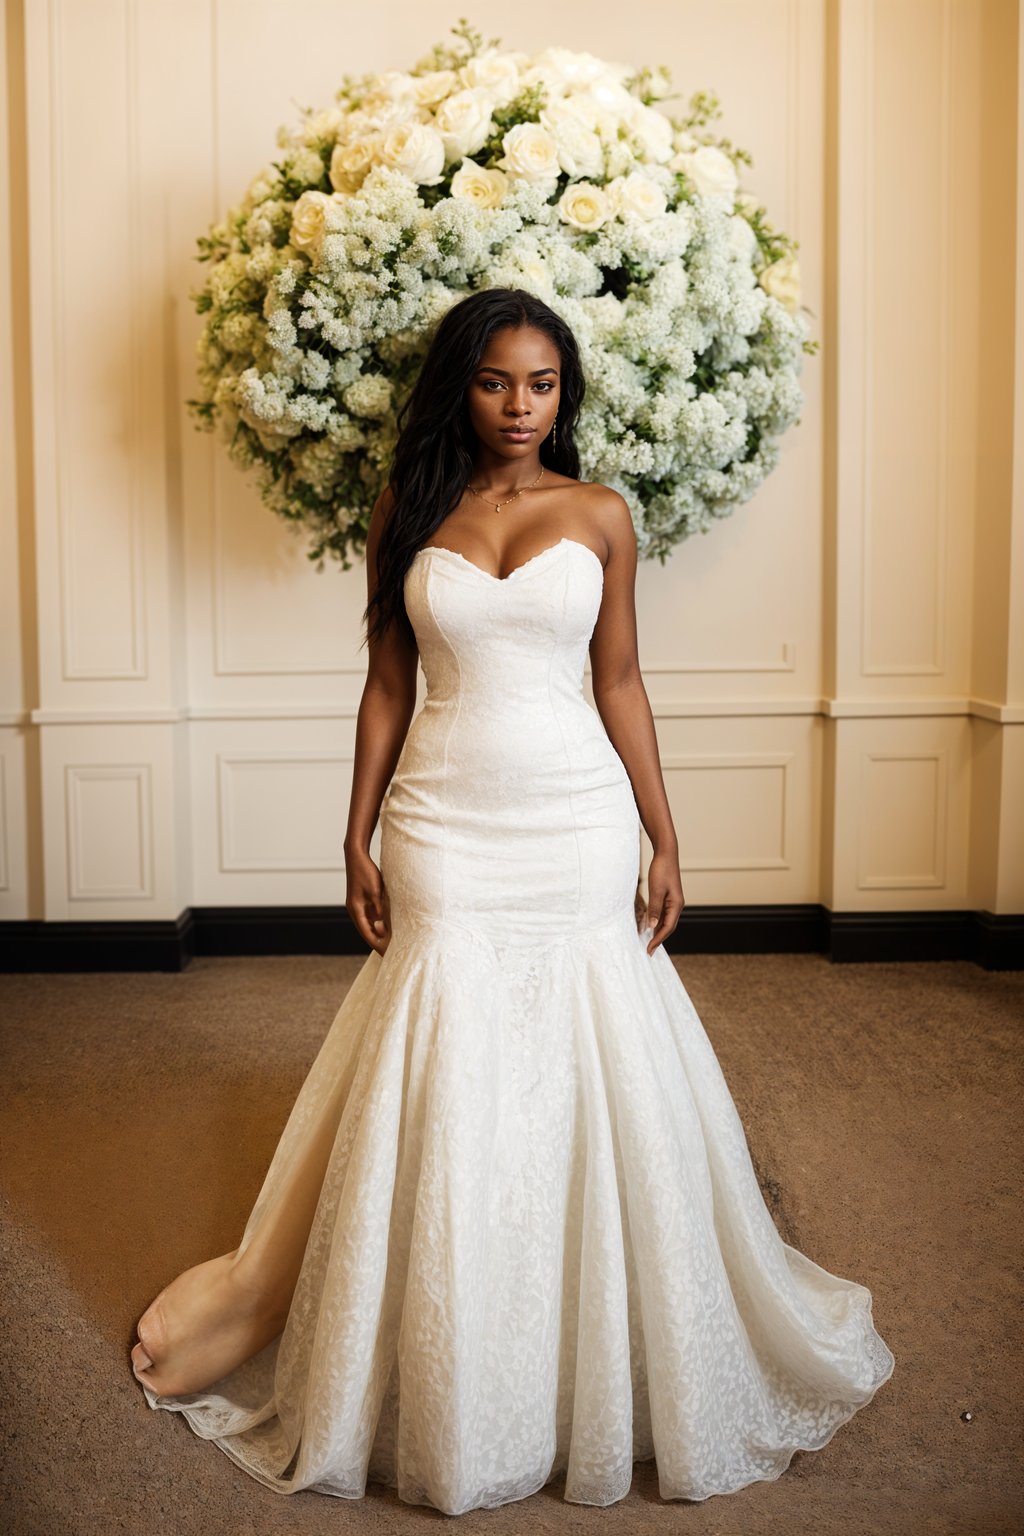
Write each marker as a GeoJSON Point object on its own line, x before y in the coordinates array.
{"type": "Point", "coordinates": [477, 168]}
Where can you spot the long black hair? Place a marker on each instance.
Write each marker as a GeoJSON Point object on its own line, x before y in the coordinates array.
{"type": "Point", "coordinates": [434, 455]}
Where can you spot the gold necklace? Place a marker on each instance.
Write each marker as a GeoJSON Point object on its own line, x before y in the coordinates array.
{"type": "Point", "coordinates": [500, 504]}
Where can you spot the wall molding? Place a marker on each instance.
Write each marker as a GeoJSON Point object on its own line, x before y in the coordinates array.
{"type": "Point", "coordinates": [933, 800]}
{"type": "Point", "coordinates": [138, 803]}
{"type": "Point", "coordinates": [785, 663]}
{"type": "Point", "coordinates": [779, 790]}
{"type": "Point", "coordinates": [233, 769]}
{"type": "Point", "coordinates": [135, 666]}
{"type": "Point", "coordinates": [665, 709]}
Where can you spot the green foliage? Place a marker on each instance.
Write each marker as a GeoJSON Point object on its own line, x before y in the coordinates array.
{"type": "Point", "coordinates": [441, 57]}
{"type": "Point", "coordinates": [524, 108]}
{"type": "Point", "coordinates": [642, 84]}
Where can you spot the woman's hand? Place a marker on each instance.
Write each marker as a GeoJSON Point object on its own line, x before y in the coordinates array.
{"type": "Point", "coordinates": [367, 902]}
{"type": "Point", "coordinates": [665, 898]}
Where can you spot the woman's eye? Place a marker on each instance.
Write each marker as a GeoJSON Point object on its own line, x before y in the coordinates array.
{"type": "Point", "coordinates": [544, 385]}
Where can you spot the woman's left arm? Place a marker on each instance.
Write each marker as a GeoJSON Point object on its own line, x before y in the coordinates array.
{"type": "Point", "coordinates": [625, 710]}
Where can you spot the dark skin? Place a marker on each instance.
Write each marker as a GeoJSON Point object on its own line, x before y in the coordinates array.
{"type": "Point", "coordinates": [517, 382]}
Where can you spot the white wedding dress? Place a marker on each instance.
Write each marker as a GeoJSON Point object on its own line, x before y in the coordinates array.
{"type": "Point", "coordinates": [538, 1245]}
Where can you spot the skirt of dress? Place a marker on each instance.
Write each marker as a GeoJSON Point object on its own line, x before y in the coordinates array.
{"type": "Point", "coordinates": [538, 1246]}
{"type": "Point", "coordinates": [533, 1241]}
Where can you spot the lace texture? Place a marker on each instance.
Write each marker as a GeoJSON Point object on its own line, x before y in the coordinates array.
{"type": "Point", "coordinates": [537, 1245]}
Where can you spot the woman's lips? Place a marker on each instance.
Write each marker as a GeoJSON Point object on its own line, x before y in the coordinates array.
{"type": "Point", "coordinates": [517, 431]}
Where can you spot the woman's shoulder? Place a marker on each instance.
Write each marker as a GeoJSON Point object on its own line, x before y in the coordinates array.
{"type": "Point", "coordinates": [602, 495]}
{"type": "Point", "coordinates": [592, 493]}
{"type": "Point", "coordinates": [609, 510]}
{"type": "Point", "coordinates": [605, 514]}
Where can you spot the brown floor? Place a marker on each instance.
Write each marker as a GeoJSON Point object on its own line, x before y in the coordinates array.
{"type": "Point", "coordinates": [881, 1104]}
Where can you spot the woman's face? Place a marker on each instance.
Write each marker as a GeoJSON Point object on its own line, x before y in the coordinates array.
{"type": "Point", "coordinates": [513, 396]}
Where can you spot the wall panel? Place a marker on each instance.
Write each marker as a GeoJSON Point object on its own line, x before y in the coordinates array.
{"type": "Point", "coordinates": [835, 669]}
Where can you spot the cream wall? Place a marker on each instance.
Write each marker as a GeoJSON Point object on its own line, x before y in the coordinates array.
{"type": "Point", "coordinates": [837, 670]}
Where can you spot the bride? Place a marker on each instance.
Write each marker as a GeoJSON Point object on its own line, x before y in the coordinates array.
{"type": "Point", "coordinates": [511, 1230]}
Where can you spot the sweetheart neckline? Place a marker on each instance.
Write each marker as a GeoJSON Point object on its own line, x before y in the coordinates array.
{"type": "Point", "coordinates": [442, 549]}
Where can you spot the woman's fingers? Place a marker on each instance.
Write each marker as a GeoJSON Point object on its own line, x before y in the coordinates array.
{"type": "Point", "coordinates": [378, 925]}
{"type": "Point", "coordinates": [662, 915]}
{"type": "Point", "coordinates": [382, 919]}
{"type": "Point", "coordinates": [370, 909]}
{"type": "Point", "coordinates": [364, 923]}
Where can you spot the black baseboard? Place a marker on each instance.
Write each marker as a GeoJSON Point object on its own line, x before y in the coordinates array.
{"type": "Point", "coordinates": [994, 942]}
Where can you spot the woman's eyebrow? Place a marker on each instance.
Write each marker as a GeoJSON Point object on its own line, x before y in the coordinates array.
{"type": "Point", "coordinates": [486, 368]}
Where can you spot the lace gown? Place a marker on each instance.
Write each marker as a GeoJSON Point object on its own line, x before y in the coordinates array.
{"type": "Point", "coordinates": [537, 1242]}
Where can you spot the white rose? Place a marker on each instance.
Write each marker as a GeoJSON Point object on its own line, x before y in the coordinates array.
{"type": "Point", "coordinates": [549, 82]}
{"type": "Point", "coordinates": [571, 70]}
{"type": "Point", "coordinates": [654, 131]}
{"type": "Point", "coordinates": [580, 152]}
{"type": "Point", "coordinates": [610, 94]}
{"type": "Point", "coordinates": [636, 196]}
{"type": "Point", "coordinates": [579, 106]}
{"type": "Point", "coordinates": [273, 439]}
{"type": "Point", "coordinates": [495, 73]}
{"type": "Point", "coordinates": [395, 114]}
{"type": "Point", "coordinates": [379, 116]}
{"type": "Point", "coordinates": [531, 271]}
{"type": "Point", "coordinates": [782, 281]}
{"type": "Point", "coordinates": [464, 122]}
{"type": "Point", "coordinates": [530, 152]}
{"type": "Point", "coordinates": [613, 74]}
{"type": "Point", "coordinates": [486, 188]}
{"type": "Point", "coordinates": [359, 124]}
{"type": "Point", "coordinates": [712, 172]}
{"type": "Point", "coordinates": [429, 89]}
{"type": "Point", "coordinates": [393, 85]}
{"type": "Point", "coordinates": [537, 276]}
{"type": "Point", "coordinates": [742, 240]}
{"type": "Point", "coordinates": [350, 162]}
{"type": "Point", "coordinates": [416, 150]}
{"type": "Point", "coordinates": [587, 110]}
{"type": "Point", "coordinates": [308, 219]}
{"type": "Point", "coordinates": [584, 206]}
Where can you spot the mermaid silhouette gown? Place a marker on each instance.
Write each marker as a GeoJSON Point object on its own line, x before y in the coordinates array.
{"type": "Point", "coordinates": [539, 1245]}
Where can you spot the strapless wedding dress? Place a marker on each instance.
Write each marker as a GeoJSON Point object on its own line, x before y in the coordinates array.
{"type": "Point", "coordinates": [538, 1245]}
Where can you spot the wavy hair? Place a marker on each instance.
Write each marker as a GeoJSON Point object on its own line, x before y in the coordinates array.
{"type": "Point", "coordinates": [434, 455]}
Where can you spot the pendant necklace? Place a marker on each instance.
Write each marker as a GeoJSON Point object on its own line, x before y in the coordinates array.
{"type": "Point", "coordinates": [500, 504]}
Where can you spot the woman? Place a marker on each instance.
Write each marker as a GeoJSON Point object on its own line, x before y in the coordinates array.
{"type": "Point", "coordinates": [512, 1228]}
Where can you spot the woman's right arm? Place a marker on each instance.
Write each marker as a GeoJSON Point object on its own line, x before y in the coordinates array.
{"type": "Point", "coordinates": [385, 712]}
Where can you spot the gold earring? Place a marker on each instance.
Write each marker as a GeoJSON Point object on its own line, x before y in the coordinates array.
{"type": "Point", "coordinates": [554, 434]}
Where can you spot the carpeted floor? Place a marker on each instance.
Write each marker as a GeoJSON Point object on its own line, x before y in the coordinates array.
{"type": "Point", "coordinates": [881, 1104]}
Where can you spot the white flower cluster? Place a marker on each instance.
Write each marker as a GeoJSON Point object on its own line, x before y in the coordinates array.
{"type": "Point", "coordinates": [555, 173]}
